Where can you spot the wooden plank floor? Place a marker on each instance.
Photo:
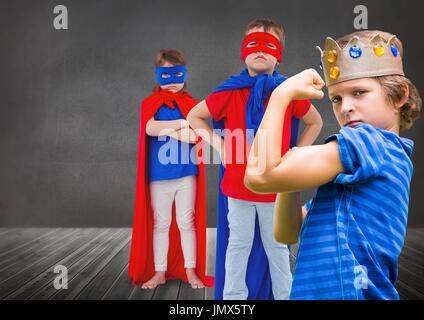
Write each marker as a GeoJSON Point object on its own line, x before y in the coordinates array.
{"type": "Point", "coordinates": [97, 262]}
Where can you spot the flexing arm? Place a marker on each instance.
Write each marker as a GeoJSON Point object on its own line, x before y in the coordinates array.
{"type": "Point", "coordinates": [301, 168]}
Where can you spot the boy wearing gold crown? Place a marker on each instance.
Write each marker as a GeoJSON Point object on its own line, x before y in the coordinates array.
{"type": "Point", "coordinates": [352, 232]}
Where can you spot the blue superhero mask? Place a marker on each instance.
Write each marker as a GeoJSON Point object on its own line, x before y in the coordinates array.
{"type": "Point", "coordinates": [168, 75]}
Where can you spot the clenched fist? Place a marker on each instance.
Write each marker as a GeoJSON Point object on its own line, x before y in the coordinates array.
{"type": "Point", "coordinates": [307, 84]}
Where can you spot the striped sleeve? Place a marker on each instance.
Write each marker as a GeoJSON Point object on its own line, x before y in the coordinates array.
{"type": "Point", "coordinates": [362, 153]}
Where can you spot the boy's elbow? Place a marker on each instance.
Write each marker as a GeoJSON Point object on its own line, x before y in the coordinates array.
{"type": "Point", "coordinates": [255, 183]}
{"type": "Point", "coordinates": [192, 117]}
{"type": "Point", "coordinates": [149, 130]}
{"type": "Point", "coordinates": [266, 183]}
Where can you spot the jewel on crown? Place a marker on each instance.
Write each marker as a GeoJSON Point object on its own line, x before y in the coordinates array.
{"type": "Point", "coordinates": [358, 59]}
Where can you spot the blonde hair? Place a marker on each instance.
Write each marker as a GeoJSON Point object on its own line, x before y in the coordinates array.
{"type": "Point", "coordinates": [394, 85]}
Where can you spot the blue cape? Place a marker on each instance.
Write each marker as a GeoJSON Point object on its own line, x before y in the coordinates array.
{"type": "Point", "coordinates": [258, 278]}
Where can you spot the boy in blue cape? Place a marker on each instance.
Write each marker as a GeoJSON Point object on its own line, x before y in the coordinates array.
{"type": "Point", "coordinates": [250, 264]}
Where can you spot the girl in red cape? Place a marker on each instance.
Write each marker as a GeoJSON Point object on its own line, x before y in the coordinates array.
{"type": "Point", "coordinates": [169, 228]}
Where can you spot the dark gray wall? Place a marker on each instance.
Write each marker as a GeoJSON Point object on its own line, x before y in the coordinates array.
{"type": "Point", "coordinates": [70, 99]}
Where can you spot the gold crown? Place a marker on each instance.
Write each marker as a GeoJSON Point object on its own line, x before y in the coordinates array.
{"type": "Point", "coordinates": [360, 60]}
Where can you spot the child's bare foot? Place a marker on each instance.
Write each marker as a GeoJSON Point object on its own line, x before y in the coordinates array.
{"type": "Point", "coordinates": [193, 279]}
{"type": "Point", "coordinates": [157, 279]}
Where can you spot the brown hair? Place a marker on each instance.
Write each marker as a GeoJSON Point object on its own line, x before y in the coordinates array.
{"type": "Point", "coordinates": [268, 25]}
{"type": "Point", "coordinates": [173, 56]}
{"type": "Point", "coordinates": [393, 85]}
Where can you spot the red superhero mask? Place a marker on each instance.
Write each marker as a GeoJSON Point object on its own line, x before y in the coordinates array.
{"type": "Point", "coordinates": [264, 42]}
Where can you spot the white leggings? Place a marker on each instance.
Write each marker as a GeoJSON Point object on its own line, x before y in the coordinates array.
{"type": "Point", "coordinates": [163, 193]}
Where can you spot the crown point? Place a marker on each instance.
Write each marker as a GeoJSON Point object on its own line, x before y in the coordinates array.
{"type": "Point", "coordinates": [377, 39]}
{"type": "Point", "coordinates": [320, 50]}
{"type": "Point", "coordinates": [330, 43]}
{"type": "Point", "coordinates": [391, 40]}
{"type": "Point", "coordinates": [353, 41]}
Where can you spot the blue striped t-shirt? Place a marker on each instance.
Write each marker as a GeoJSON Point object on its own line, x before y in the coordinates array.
{"type": "Point", "coordinates": [355, 228]}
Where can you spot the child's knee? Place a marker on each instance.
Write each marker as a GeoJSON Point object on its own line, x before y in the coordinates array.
{"type": "Point", "coordinates": [162, 224]}
{"type": "Point", "coordinates": [241, 241]}
{"type": "Point", "coordinates": [185, 222]}
{"type": "Point", "coordinates": [274, 249]}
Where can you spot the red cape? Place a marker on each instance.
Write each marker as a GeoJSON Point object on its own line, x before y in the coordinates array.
{"type": "Point", "coordinates": [141, 264]}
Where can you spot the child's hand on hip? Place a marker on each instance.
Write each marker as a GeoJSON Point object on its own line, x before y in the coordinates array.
{"type": "Point", "coordinates": [193, 136]}
{"type": "Point", "coordinates": [307, 84]}
{"type": "Point", "coordinates": [184, 124]}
